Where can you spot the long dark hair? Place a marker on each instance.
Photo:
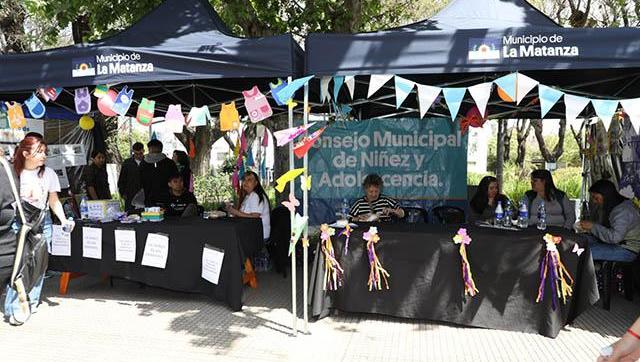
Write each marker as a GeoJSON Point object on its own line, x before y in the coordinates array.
{"type": "Point", "coordinates": [26, 145]}
{"type": "Point", "coordinates": [481, 199]}
{"type": "Point", "coordinates": [611, 196]}
{"type": "Point", "coordinates": [550, 189]}
{"type": "Point", "coordinates": [262, 195]}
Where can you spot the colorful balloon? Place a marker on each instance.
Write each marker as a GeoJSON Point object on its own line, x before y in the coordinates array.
{"type": "Point", "coordinates": [105, 103]}
{"type": "Point", "coordinates": [86, 123]}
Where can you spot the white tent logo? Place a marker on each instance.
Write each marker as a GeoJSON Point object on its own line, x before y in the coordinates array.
{"type": "Point", "coordinates": [82, 67]}
{"type": "Point", "coordinates": [483, 49]}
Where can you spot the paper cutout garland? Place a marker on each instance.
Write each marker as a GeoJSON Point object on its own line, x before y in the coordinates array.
{"type": "Point", "coordinates": [551, 268]}
{"type": "Point", "coordinates": [35, 107]}
{"type": "Point", "coordinates": [377, 274]}
{"type": "Point", "coordinates": [82, 100]}
{"type": "Point", "coordinates": [15, 115]}
{"type": "Point", "coordinates": [333, 272]}
{"type": "Point", "coordinates": [145, 111]}
{"type": "Point", "coordinates": [256, 104]}
{"type": "Point", "coordinates": [463, 239]}
{"type": "Point", "coordinates": [123, 101]}
{"type": "Point", "coordinates": [229, 117]}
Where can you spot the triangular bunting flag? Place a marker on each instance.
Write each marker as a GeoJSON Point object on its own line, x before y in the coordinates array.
{"type": "Point", "coordinates": [548, 98]}
{"type": "Point", "coordinates": [524, 85]}
{"type": "Point", "coordinates": [632, 109]}
{"type": "Point", "coordinates": [453, 97]}
{"type": "Point", "coordinates": [324, 89]}
{"type": "Point", "coordinates": [350, 81]}
{"type": "Point", "coordinates": [403, 89]}
{"type": "Point", "coordinates": [376, 82]}
{"type": "Point", "coordinates": [508, 84]}
{"type": "Point", "coordinates": [426, 96]}
{"type": "Point", "coordinates": [290, 89]}
{"type": "Point", "coordinates": [605, 109]}
{"type": "Point", "coordinates": [338, 81]}
{"type": "Point", "coordinates": [574, 105]}
{"type": "Point", "coordinates": [480, 94]}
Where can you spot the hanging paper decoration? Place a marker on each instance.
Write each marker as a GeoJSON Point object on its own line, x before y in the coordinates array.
{"type": "Point", "coordinates": [324, 89]}
{"type": "Point", "coordinates": [301, 148]}
{"type": "Point", "coordinates": [292, 203]}
{"type": "Point", "coordinates": [548, 98]}
{"type": "Point", "coordinates": [453, 97]}
{"type": "Point", "coordinates": [376, 82]}
{"type": "Point", "coordinates": [632, 109]}
{"type": "Point", "coordinates": [265, 137]}
{"type": "Point", "coordinates": [250, 162]}
{"type": "Point", "coordinates": [4, 119]}
{"type": "Point", "coordinates": [403, 89]}
{"type": "Point", "coordinates": [243, 142]}
{"type": "Point", "coordinates": [377, 274]}
{"type": "Point", "coordinates": [50, 93]}
{"type": "Point", "coordinates": [174, 119]}
{"type": "Point", "coordinates": [480, 94]}
{"type": "Point", "coordinates": [15, 115]}
{"type": "Point", "coordinates": [240, 167]}
{"type": "Point", "coordinates": [277, 87]}
{"type": "Point", "coordinates": [605, 110]}
{"type": "Point", "coordinates": [287, 135]}
{"type": "Point", "coordinates": [105, 103]}
{"type": "Point", "coordinates": [551, 268]}
{"type": "Point", "coordinates": [256, 104]}
{"type": "Point", "coordinates": [192, 149]}
{"type": "Point", "coordinates": [86, 123]}
{"type": "Point", "coordinates": [82, 100]}
{"type": "Point", "coordinates": [229, 117]}
{"type": "Point", "coordinates": [290, 89]}
{"type": "Point", "coordinates": [426, 96]}
{"type": "Point", "coordinates": [198, 116]}
{"type": "Point", "coordinates": [573, 106]}
{"type": "Point", "coordinates": [297, 228]}
{"type": "Point", "coordinates": [290, 175]}
{"type": "Point", "coordinates": [145, 111]}
{"type": "Point", "coordinates": [35, 107]}
{"type": "Point", "coordinates": [338, 81]}
{"type": "Point", "coordinates": [333, 272]}
{"type": "Point", "coordinates": [123, 101]}
{"type": "Point", "coordinates": [305, 182]}
{"type": "Point", "coordinates": [463, 239]}
{"type": "Point", "coordinates": [100, 90]}
{"type": "Point", "coordinates": [350, 82]}
{"type": "Point", "coordinates": [524, 85]}
{"type": "Point", "coordinates": [342, 111]}
{"type": "Point", "coordinates": [473, 118]}
{"type": "Point", "coordinates": [507, 84]}
{"type": "Point", "coordinates": [347, 234]}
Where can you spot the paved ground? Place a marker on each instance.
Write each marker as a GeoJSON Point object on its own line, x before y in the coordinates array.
{"type": "Point", "coordinates": [95, 322]}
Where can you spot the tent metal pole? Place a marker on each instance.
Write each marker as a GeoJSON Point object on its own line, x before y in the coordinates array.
{"type": "Point", "coordinates": [305, 211]}
{"type": "Point", "coordinates": [130, 137]}
{"type": "Point", "coordinates": [292, 185]}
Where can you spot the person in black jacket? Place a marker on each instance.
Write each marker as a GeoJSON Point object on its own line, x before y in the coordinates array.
{"type": "Point", "coordinates": [7, 215]}
{"type": "Point", "coordinates": [129, 181]}
{"type": "Point", "coordinates": [155, 174]}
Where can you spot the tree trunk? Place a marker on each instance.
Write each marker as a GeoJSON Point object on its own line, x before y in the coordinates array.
{"type": "Point", "coordinates": [523, 129]}
{"type": "Point", "coordinates": [507, 141]}
{"type": "Point", "coordinates": [12, 18]}
{"type": "Point", "coordinates": [558, 149]}
{"type": "Point", "coordinates": [80, 28]}
{"type": "Point", "coordinates": [203, 139]}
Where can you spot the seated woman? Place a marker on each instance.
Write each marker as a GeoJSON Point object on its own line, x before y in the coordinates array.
{"type": "Point", "coordinates": [180, 202]}
{"type": "Point", "coordinates": [620, 225]}
{"type": "Point", "coordinates": [254, 202]}
{"type": "Point", "coordinates": [95, 177]}
{"type": "Point", "coordinates": [484, 202]}
{"type": "Point", "coordinates": [373, 205]}
{"type": "Point", "coordinates": [558, 209]}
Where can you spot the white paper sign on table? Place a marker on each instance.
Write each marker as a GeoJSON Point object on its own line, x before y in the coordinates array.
{"type": "Point", "coordinates": [212, 263]}
{"type": "Point", "coordinates": [156, 251]}
{"type": "Point", "coordinates": [60, 241]}
{"type": "Point", "coordinates": [91, 242]}
{"type": "Point", "coordinates": [125, 245]}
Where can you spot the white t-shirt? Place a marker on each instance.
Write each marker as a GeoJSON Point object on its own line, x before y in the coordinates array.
{"type": "Point", "coordinates": [35, 189]}
{"type": "Point", "coordinates": [252, 204]}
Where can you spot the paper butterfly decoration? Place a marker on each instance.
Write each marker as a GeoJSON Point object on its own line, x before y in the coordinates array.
{"type": "Point", "coordinates": [577, 249]}
{"type": "Point", "coordinates": [15, 115]}
{"type": "Point", "coordinates": [101, 90]}
{"type": "Point", "coordinates": [305, 182]}
{"type": "Point", "coordinates": [287, 135]}
{"type": "Point", "coordinates": [35, 107]}
{"type": "Point", "coordinates": [50, 93]}
{"type": "Point", "coordinates": [290, 175]}
{"type": "Point", "coordinates": [123, 101]}
{"type": "Point", "coordinates": [145, 111]}
{"type": "Point", "coordinates": [301, 148]}
{"type": "Point", "coordinates": [277, 87]}
{"type": "Point", "coordinates": [292, 203]}
{"type": "Point", "coordinates": [229, 117]}
{"type": "Point", "coordinates": [82, 100]}
{"type": "Point", "coordinates": [257, 105]}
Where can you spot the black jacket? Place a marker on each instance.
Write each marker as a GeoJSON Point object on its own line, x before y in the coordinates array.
{"type": "Point", "coordinates": [7, 236]}
{"type": "Point", "coordinates": [129, 182]}
{"type": "Point", "coordinates": [155, 173]}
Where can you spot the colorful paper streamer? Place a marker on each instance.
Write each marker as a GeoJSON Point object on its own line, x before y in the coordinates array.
{"type": "Point", "coordinates": [377, 274]}
{"type": "Point", "coordinates": [553, 270]}
{"type": "Point", "coordinates": [333, 272]}
{"type": "Point", "coordinates": [463, 239]}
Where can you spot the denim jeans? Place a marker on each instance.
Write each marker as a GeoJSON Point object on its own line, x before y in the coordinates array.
{"type": "Point", "coordinates": [609, 252]}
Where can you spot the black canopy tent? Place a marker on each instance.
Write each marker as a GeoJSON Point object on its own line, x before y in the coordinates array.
{"type": "Point", "coordinates": [443, 51]}
{"type": "Point", "coordinates": [179, 53]}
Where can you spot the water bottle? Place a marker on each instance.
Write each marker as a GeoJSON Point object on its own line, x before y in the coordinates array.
{"type": "Point", "coordinates": [507, 213]}
{"type": "Point", "coordinates": [499, 214]}
{"type": "Point", "coordinates": [523, 215]}
{"type": "Point", "coordinates": [542, 217]}
{"type": "Point", "coordinates": [84, 208]}
{"type": "Point", "coordinates": [344, 209]}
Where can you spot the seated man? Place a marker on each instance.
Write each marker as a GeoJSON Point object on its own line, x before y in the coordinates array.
{"type": "Point", "coordinates": [180, 202]}
{"type": "Point", "coordinates": [374, 206]}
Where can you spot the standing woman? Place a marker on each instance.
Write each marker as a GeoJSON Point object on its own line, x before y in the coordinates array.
{"type": "Point", "coordinates": [484, 202]}
{"type": "Point", "coordinates": [558, 209]}
{"type": "Point", "coordinates": [254, 202]}
{"type": "Point", "coordinates": [39, 187]}
{"type": "Point", "coordinates": [182, 162]}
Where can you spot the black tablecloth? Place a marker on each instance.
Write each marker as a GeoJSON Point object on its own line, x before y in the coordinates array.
{"type": "Point", "coordinates": [237, 237]}
{"type": "Point", "coordinates": [426, 277]}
